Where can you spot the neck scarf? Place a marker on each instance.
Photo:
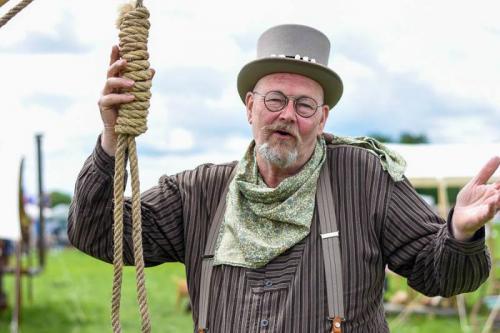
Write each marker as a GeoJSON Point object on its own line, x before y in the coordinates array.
{"type": "Point", "coordinates": [391, 161]}
{"type": "Point", "coordinates": [260, 222]}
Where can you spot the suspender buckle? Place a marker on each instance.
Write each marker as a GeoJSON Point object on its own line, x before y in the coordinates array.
{"type": "Point", "coordinates": [336, 324]}
{"type": "Point", "coordinates": [330, 235]}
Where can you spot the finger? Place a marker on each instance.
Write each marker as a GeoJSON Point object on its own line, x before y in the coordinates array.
{"type": "Point", "coordinates": [487, 171]}
{"type": "Point", "coordinates": [114, 83]}
{"type": "Point", "coordinates": [112, 100]}
{"type": "Point", "coordinates": [115, 54]}
{"type": "Point", "coordinates": [116, 67]}
{"type": "Point", "coordinates": [152, 72]}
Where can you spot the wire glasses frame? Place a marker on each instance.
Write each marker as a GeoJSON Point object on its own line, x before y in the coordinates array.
{"type": "Point", "coordinates": [276, 101]}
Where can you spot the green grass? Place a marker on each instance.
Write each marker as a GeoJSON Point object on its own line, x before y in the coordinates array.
{"type": "Point", "coordinates": [73, 295]}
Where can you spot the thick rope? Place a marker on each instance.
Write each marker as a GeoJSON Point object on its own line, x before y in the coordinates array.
{"type": "Point", "coordinates": [11, 13]}
{"type": "Point", "coordinates": [3, 2]}
{"type": "Point", "coordinates": [134, 26]}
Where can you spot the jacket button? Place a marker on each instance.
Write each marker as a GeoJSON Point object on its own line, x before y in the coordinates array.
{"type": "Point", "coordinates": [264, 323]}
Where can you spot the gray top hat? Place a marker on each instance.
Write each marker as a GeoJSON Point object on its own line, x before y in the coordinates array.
{"type": "Point", "coordinates": [292, 48]}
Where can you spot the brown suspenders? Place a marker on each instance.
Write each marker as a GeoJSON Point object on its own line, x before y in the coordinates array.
{"type": "Point", "coordinates": [331, 253]}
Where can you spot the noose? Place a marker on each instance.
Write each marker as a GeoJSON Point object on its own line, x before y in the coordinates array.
{"type": "Point", "coordinates": [131, 122]}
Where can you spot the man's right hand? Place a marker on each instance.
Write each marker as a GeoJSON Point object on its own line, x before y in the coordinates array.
{"type": "Point", "coordinates": [113, 95]}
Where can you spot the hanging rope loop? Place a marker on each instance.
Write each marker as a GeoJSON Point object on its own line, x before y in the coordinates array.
{"type": "Point", "coordinates": [134, 32]}
{"type": "Point", "coordinates": [131, 122]}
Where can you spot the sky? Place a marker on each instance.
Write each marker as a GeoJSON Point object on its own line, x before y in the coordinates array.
{"type": "Point", "coordinates": [423, 66]}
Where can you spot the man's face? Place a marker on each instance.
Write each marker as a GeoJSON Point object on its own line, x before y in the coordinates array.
{"type": "Point", "coordinates": [285, 138]}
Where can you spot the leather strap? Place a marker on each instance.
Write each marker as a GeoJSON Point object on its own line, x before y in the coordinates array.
{"type": "Point", "coordinates": [208, 257]}
{"type": "Point", "coordinates": [337, 325]}
{"type": "Point", "coordinates": [331, 248]}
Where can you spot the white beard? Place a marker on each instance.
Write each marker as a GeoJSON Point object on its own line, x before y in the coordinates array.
{"type": "Point", "coordinates": [277, 157]}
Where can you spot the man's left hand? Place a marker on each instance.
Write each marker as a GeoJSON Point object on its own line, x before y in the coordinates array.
{"type": "Point", "coordinates": [477, 202]}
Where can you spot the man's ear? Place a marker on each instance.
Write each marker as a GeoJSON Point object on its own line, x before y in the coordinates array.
{"type": "Point", "coordinates": [249, 106]}
{"type": "Point", "coordinates": [325, 111]}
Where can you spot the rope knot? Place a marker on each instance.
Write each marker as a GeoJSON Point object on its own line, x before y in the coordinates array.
{"type": "Point", "coordinates": [134, 31]}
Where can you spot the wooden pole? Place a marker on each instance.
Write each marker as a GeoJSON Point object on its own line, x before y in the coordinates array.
{"type": "Point", "coordinates": [442, 198]}
{"type": "Point", "coordinates": [41, 203]}
{"type": "Point", "coordinates": [16, 315]}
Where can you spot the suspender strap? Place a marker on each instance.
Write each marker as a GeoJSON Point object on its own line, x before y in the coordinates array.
{"type": "Point", "coordinates": [206, 277]}
{"type": "Point", "coordinates": [331, 249]}
{"type": "Point", "coordinates": [208, 258]}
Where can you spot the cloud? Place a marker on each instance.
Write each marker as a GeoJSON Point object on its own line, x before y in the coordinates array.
{"type": "Point", "coordinates": [60, 40]}
{"type": "Point", "coordinates": [470, 128]}
{"type": "Point", "coordinates": [380, 98]}
{"type": "Point", "coordinates": [421, 66]}
{"type": "Point", "coordinates": [191, 82]}
{"type": "Point", "coordinates": [391, 103]}
{"type": "Point", "coordinates": [52, 101]}
{"type": "Point", "coordinates": [39, 43]}
{"type": "Point", "coordinates": [176, 140]}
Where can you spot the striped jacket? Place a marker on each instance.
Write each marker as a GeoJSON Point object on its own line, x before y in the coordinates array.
{"type": "Point", "coordinates": [381, 223]}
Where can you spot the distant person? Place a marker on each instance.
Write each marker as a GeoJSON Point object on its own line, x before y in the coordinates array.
{"type": "Point", "coordinates": [269, 273]}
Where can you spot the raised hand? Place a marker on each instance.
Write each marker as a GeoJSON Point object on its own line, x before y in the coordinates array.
{"type": "Point", "coordinates": [477, 202]}
{"type": "Point", "coordinates": [113, 95]}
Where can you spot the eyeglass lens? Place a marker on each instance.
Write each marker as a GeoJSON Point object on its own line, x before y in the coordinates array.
{"type": "Point", "coordinates": [277, 101]}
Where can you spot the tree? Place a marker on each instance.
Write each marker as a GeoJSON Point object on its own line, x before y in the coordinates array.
{"type": "Point", "coordinates": [57, 198]}
{"type": "Point", "coordinates": [410, 138]}
{"type": "Point", "coordinates": [381, 137]}
{"type": "Point", "coordinates": [404, 137]}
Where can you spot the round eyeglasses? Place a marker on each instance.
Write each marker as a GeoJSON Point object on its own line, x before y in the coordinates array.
{"type": "Point", "coordinates": [276, 101]}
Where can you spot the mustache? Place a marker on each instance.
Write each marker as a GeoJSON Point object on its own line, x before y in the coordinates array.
{"type": "Point", "coordinates": [270, 129]}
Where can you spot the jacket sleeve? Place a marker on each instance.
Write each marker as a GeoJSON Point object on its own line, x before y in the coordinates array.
{"type": "Point", "coordinates": [90, 220]}
{"type": "Point", "coordinates": [419, 245]}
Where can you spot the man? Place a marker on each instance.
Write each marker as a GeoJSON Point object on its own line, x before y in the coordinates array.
{"type": "Point", "coordinates": [268, 270]}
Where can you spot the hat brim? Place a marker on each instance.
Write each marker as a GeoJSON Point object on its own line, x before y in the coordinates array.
{"type": "Point", "coordinates": [255, 70]}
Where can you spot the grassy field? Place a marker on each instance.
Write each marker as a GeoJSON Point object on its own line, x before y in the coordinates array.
{"type": "Point", "coordinates": [73, 295]}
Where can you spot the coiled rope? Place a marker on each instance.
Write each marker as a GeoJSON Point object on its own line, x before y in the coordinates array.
{"type": "Point", "coordinates": [131, 122]}
{"type": "Point", "coordinates": [14, 10]}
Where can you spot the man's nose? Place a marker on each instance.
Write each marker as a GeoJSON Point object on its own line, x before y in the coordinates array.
{"type": "Point", "coordinates": [288, 112]}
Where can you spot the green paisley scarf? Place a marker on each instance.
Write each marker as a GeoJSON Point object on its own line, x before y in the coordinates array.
{"type": "Point", "coordinates": [391, 161]}
{"type": "Point", "coordinates": [261, 222]}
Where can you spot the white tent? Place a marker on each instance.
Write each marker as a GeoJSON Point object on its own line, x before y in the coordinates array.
{"type": "Point", "coordinates": [446, 161]}
{"type": "Point", "coordinates": [9, 192]}
{"type": "Point", "coordinates": [443, 165]}
{"type": "Point", "coordinates": [13, 147]}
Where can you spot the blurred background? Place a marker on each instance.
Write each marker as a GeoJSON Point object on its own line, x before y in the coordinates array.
{"type": "Point", "coordinates": [424, 77]}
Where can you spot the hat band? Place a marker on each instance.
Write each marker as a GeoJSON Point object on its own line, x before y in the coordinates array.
{"type": "Point", "coordinates": [296, 57]}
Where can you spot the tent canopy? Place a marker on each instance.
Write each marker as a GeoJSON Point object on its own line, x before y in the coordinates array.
{"type": "Point", "coordinates": [446, 161]}
{"type": "Point", "coordinates": [9, 193]}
